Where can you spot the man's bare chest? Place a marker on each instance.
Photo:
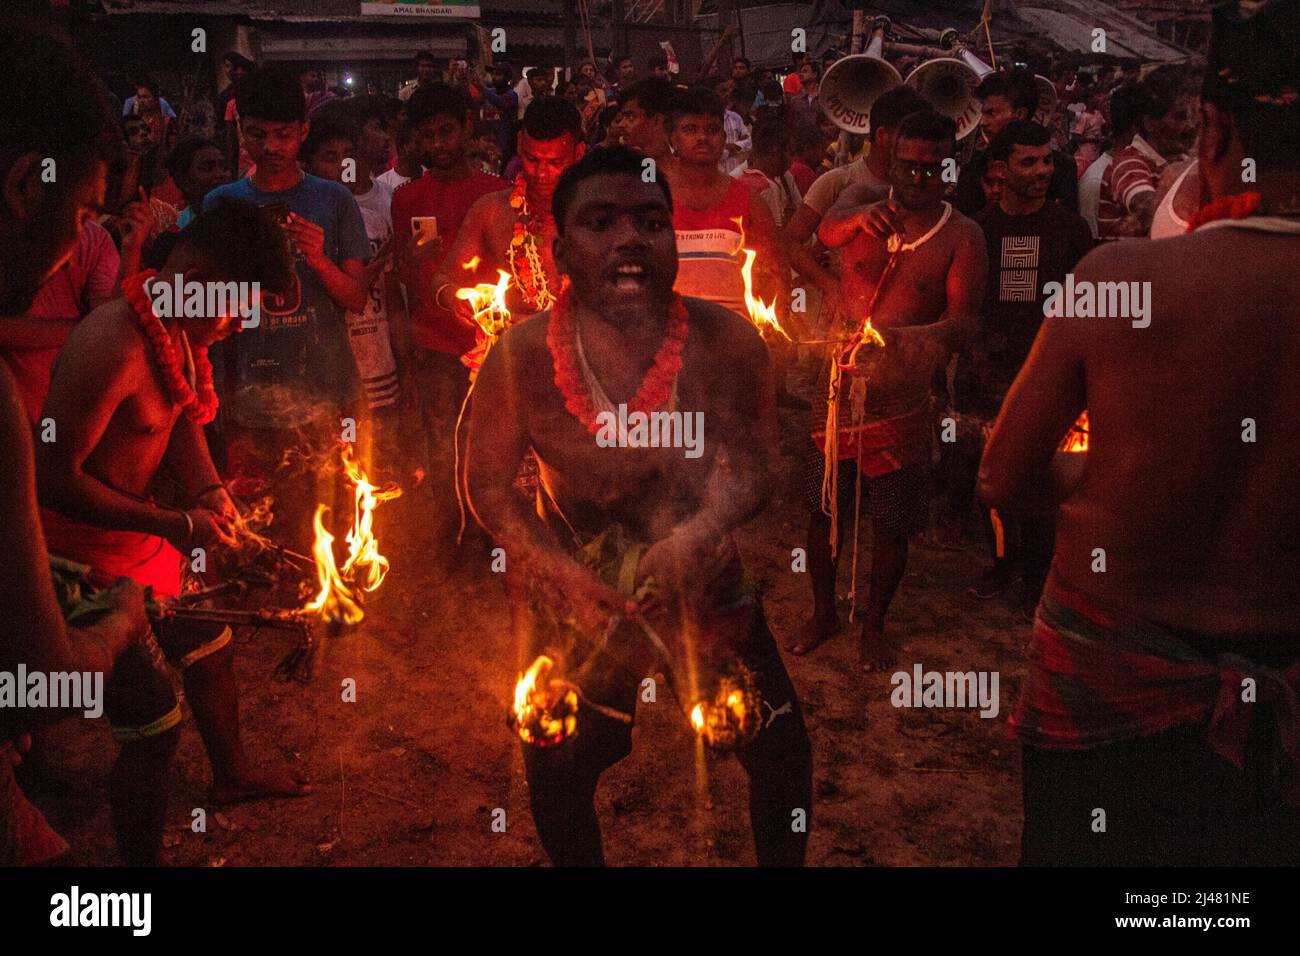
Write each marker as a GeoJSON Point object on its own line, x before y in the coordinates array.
{"type": "Point", "coordinates": [913, 291]}
{"type": "Point", "coordinates": [147, 415]}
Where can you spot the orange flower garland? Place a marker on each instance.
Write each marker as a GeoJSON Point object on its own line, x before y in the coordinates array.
{"type": "Point", "coordinates": [655, 388]}
{"type": "Point", "coordinates": [200, 406]}
{"type": "Point", "coordinates": [525, 262]}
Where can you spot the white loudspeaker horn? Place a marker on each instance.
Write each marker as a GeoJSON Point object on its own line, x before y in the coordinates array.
{"type": "Point", "coordinates": [1046, 100]}
{"type": "Point", "coordinates": [948, 84]}
{"type": "Point", "coordinates": [853, 83]}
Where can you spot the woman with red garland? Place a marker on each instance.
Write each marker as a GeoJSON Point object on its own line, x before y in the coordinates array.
{"type": "Point", "coordinates": [129, 395]}
{"type": "Point", "coordinates": [626, 563]}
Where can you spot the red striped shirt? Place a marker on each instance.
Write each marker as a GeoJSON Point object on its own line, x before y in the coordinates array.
{"type": "Point", "coordinates": [1134, 172]}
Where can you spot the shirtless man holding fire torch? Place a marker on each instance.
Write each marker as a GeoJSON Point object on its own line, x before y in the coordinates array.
{"type": "Point", "coordinates": [619, 335]}
{"type": "Point", "coordinates": [129, 395]}
{"type": "Point", "coordinates": [922, 300]}
{"type": "Point", "coordinates": [512, 230]}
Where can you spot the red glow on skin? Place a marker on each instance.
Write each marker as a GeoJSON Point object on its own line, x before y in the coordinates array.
{"type": "Point", "coordinates": [543, 160]}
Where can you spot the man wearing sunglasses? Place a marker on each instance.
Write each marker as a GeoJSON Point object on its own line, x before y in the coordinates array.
{"type": "Point", "coordinates": [916, 268]}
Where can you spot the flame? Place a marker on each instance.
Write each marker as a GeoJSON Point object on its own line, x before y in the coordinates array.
{"type": "Point", "coordinates": [363, 548]}
{"type": "Point", "coordinates": [365, 568]}
{"type": "Point", "coordinates": [761, 314]}
{"type": "Point", "coordinates": [488, 301]}
{"type": "Point", "coordinates": [869, 335]}
{"type": "Point", "coordinates": [732, 715]}
{"type": "Point", "coordinates": [1076, 439]}
{"type": "Point", "coordinates": [336, 601]}
{"type": "Point", "coordinates": [470, 264]}
{"type": "Point", "coordinates": [545, 711]}
{"type": "Point", "coordinates": [697, 718]}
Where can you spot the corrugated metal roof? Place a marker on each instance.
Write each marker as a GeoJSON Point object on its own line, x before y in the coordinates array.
{"type": "Point", "coordinates": [312, 11]}
{"type": "Point", "coordinates": [1070, 24]}
{"type": "Point", "coordinates": [178, 7]}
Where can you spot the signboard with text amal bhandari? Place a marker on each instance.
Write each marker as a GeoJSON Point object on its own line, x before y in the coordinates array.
{"type": "Point", "coordinates": [420, 8]}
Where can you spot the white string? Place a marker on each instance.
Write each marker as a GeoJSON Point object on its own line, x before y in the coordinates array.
{"type": "Point", "coordinates": [599, 399]}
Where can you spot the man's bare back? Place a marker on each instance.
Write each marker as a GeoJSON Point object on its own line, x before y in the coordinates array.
{"type": "Point", "coordinates": [1200, 526]}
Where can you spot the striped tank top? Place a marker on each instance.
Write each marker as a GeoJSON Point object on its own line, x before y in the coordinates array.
{"type": "Point", "coordinates": [708, 248]}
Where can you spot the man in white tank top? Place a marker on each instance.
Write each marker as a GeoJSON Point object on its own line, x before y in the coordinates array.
{"type": "Point", "coordinates": [1179, 194]}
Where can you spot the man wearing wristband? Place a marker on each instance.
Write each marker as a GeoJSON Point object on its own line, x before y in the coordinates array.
{"type": "Point", "coordinates": [129, 395]}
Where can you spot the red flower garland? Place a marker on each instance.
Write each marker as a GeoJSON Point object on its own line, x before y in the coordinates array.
{"type": "Point", "coordinates": [1237, 206]}
{"type": "Point", "coordinates": [200, 406]}
{"type": "Point", "coordinates": [655, 388]}
{"type": "Point", "coordinates": [522, 252]}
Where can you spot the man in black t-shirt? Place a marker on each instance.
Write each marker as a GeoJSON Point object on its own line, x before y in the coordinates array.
{"type": "Point", "coordinates": [1009, 96]}
{"type": "Point", "coordinates": [1031, 242]}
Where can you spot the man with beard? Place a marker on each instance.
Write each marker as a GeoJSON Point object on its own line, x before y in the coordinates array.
{"type": "Point", "coordinates": [1031, 242]}
{"type": "Point", "coordinates": [662, 520]}
{"type": "Point", "coordinates": [440, 124]}
{"type": "Point", "coordinates": [127, 408]}
{"type": "Point", "coordinates": [313, 87]}
{"type": "Point", "coordinates": [916, 269]}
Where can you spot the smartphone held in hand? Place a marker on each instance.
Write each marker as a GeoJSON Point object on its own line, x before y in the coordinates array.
{"type": "Point", "coordinates": [424, 228]}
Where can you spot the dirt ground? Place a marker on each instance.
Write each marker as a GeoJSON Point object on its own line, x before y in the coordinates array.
{"type": "Point", "coordinates": [411, 772]}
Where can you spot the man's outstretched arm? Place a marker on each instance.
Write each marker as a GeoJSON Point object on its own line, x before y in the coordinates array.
{"type": "Point", "coordinates": [470, 244]}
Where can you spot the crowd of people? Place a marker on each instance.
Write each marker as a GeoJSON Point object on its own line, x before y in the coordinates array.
{"type": "Point", "coordinates": [620, 201]}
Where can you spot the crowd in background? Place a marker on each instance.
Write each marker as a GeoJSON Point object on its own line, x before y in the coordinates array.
{"type": "Point", "coordinates": [1119, 142]}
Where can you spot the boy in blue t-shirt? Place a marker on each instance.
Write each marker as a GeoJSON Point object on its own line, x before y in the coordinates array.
{"type": "Point", "coordinates": [289, 382]}
{"type": "Point", "coordinates": [297, 367]}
